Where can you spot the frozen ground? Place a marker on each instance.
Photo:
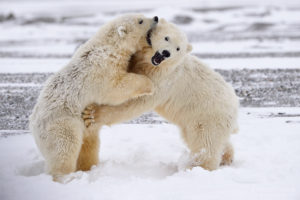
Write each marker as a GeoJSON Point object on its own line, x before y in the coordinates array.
{"type": "Point", "coordinates": [254, 44]}
{"type": "Point", "coordinates": [147, 162]}
{"type": "Point", "coordinates": [256, 88]}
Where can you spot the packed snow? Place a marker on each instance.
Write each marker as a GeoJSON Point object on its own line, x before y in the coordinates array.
{"type": "Point", "coordinates": [148, 162]}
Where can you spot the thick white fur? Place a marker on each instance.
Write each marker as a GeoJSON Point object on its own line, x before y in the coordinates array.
{"type": "Point", "coordinates": [96, 73]}
{"type": "Point", "coordinates": [187, 93]}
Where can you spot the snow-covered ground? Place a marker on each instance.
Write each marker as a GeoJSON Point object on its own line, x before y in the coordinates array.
{"type": "Point", "coordinates": [147, 162]}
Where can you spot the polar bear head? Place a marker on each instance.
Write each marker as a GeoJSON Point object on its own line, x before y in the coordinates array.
{"type": "Point", "coordinates": [129, 30]}
{"type": "Point", "coordinates": [168, 44]}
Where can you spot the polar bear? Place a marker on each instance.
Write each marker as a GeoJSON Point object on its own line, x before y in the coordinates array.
{"type": "Point", "coordinates": [96, 73]}
{"type": "Point", "coordinates": [187, 93]}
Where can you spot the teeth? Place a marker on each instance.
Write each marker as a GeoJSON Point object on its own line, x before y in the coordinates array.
{"type": "Point", "coordinates": [154, 62]}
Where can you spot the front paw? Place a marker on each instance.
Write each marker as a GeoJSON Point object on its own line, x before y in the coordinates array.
{"type": "Point", "coordinates": [88, 115]}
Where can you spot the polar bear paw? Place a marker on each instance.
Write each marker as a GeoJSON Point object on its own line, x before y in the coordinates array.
{"type": "Point", "coordinates": [88, 115]}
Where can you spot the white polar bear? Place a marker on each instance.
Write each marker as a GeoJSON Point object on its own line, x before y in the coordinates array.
{"type": "Point", "coordinates": [187, 93]}
{"type": "Point", "coordinates": [96, 73]}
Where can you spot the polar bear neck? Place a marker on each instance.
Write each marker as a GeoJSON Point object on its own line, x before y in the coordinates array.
{"type": "Point", "coordinates": [95, 50]}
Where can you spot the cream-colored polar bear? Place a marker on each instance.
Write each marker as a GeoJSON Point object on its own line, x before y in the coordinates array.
{"type": "Point", "coordinates": [187, 93]}
{"type": "Point", "coordinates": [96, 73]}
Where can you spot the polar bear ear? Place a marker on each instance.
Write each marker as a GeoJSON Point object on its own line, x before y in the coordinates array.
{"type": "Point", "coordinates": [122, 31]}
{"type": "Point", "coordinates": [189, 48]}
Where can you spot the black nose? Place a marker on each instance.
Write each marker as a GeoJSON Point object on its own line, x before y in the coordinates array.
{"type": "Point", "coordinates": [166, 53]}
{"type": "Point", "coordinates": [155, 19]}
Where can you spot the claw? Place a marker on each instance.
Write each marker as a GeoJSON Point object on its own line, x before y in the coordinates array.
{"type": "Point", "coordinates": [89, 122]}
{"type": "Point", "coordinates": [88, 115]}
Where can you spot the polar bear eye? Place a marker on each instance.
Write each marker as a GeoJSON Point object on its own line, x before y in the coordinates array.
{"type": "Point", "coordinates": [167, 38]}
{"type": "Point", "coordinates": [178, 49]}
{"type": "Point", "coordinates": [141, 21]}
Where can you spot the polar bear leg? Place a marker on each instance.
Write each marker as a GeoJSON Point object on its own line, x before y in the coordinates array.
{"type": "Point", "coordinates": [139, 85]}
{"type": "Point", "coordinates": [206, 143]}
{"type": "Point", "coordinates": [128, 86]}
{"type": "Point", "coordinates": [62, 146]}
{"type": "Point", "coordinates": [89, 153]}
{"type": "Point", "coordinates": [228, 154]}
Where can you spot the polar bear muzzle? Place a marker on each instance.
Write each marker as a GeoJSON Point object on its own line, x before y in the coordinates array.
{"type": "Point", "coordinates": [148, 37]}
{"type": "Point", "coordinates": [159, 57]}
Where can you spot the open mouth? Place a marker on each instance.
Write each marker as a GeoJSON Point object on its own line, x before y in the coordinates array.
{"type": "Point", "coordinates": [157, 58]}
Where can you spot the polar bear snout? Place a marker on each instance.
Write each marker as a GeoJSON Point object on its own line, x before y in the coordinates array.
{"type": "Point", "coordinates": [159, 57]}
{"type": "Point", "coordinates": [166, 53]}
{"type": "Point", "coordinates": [153, 25]}
{"type": "Point", "coordinates": [155, 22]}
